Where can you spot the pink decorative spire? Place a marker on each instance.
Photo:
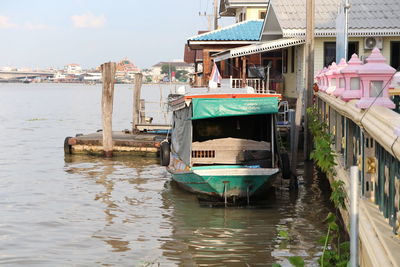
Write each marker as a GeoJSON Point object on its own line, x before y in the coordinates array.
{"type": "Point", "coordinates": [340, 78]}
{"type": "Point", "coordinates": [353, 66]}
{"type": "Point", "coordinates": [375, 78]}
{"type": "Point", "coordinates": [323, 79]}
{"type": "Point", "coordinates": [376, 63]}
{"type": "Point", "coordinates": [331, 74]}
{"type": "Point", "coordinates": [352, 89]}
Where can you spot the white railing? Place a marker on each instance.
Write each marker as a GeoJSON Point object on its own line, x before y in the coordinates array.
{"type": "Point", "coordinates": [259, 85]}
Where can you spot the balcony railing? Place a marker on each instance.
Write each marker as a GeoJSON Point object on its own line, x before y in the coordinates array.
{"type": "Point", "coordinates": [258, 84]}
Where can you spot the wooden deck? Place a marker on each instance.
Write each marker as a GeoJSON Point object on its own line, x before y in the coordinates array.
{"type": "Point", "coordinates": [123, 143]}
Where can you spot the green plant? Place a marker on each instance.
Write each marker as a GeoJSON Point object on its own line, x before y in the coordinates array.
{"type": "Point", "coordinates": [181, 75]}
{"type": "Point", "coordinates": [323, 154]}
{"type": "Point", "coordinates": [338, 195]}
{"type": "Point", "coordinates": [283, 233]}
{"type": "Point", "coordinates": [167, 69]}
{"type": "Point", "coordinates": [334, 252]}
{"type": "Point", "coordinates": [334, 256]}
{"type": "Point", "coordinates": [296, 261]}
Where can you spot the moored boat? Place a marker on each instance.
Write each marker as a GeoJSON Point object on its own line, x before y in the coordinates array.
{"type": "Point", "coordinates": [223, 143]}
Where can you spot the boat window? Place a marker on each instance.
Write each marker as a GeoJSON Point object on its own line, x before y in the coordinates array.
{"type": "Point", "coordinates": [254, 127]}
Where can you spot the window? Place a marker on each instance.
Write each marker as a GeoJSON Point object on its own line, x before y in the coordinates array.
{"type": "Point", "coordinates": [285, 60]}
{"type": "Point", "coordinates": [353, 49]}
{"type": "Point", "coordinates": [262, 14]}
{"type": "Point", "coordinates": [395, 54]}
{"type": "Point", "coordinates": [242, 17]}
{"type": "Point", "coordinates": [341, 83]}
{"type": "Point", "coordinates": [330, 52]}
{"type": "Point", "coordinates": [375, 88]}
{"type": "Point", "coordinates": [354, 83]}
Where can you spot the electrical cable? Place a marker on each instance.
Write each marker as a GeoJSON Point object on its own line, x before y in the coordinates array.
{"type": "Point", "coordinates": [391, 147]}
{"type": "Point", "coordinates": [367, 110]}
{"type": "Point", "coordinates": [376, 97]}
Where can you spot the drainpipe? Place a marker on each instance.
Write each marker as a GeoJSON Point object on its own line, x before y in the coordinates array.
{"type": "Point", "coordinates": [346, 26]}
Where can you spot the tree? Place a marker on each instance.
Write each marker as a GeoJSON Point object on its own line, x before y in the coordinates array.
{"type": "Point", "coordinates": [181, 75]}
{"type": "Point", "coordinates": [166, 69]}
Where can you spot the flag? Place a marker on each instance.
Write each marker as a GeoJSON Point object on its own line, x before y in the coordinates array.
{"type": "Point", "coordinates": [215, 76]}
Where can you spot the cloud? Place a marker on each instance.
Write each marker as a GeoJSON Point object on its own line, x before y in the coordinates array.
{"type": "Point", "coordinates": [6, 24]}
{"type": "Point", "coordinates": [34, 26]}
{"type": "Point", "coordinates": [88, 20]}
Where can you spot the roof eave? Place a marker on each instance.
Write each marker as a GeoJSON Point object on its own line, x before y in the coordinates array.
{"type": "Point", "coordinates": [331, 32]}
{"type": "Point", "coordinates": [201, 44]}
{"type": "Point", "coordinates": [240, 5]}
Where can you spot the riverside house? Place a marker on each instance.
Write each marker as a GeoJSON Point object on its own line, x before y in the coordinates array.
{"type": "Point", "coordinates": [281, 42]}
{"type": "Point", "coordinates": [249, 17]}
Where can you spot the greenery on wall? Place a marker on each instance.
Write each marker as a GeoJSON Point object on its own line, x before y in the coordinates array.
{"type": "Point", "coordinates": [335, 252]}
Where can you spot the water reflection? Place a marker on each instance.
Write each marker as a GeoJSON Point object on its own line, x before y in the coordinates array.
{"type": "Point", "coordinates": [240, 236]}
{"type": "Point", "coordinates": [152, 220]}
{"type": "Point", "coordinates": [114, 175]}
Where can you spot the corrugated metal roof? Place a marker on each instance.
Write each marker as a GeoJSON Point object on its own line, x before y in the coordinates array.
{"type": "Point", "coordinates": [258, 48]}
{"type": "Point", "coordinates": [243, 31]}
{"type": "Point", "coordinates": [363, 14]}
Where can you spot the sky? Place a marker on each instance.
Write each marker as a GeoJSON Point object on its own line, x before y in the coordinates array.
{"type": "Point", "coordinates": [53, 33]}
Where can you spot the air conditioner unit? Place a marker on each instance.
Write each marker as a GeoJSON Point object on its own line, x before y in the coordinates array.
{"type": "Point", "coordinates": [372, 42]}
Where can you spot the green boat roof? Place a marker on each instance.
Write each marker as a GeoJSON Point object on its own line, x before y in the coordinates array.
{"type": "Point", "coordinates": [204, 108]}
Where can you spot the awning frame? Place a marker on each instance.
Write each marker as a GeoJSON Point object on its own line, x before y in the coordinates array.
{"type": "Point", "coordinates": [259, 48]}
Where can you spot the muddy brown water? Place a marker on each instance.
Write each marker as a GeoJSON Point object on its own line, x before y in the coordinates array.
{"type": "Point", "coordinates": [89, 211]}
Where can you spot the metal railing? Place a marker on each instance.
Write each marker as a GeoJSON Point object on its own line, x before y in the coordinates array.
{"type": "Point", "coordinates": [379, 170]}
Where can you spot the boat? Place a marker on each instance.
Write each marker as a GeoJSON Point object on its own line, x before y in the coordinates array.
{"type": "Point", "coordinates": [26, 80]}
{"type": "Point", "coordinates": [223, 143]}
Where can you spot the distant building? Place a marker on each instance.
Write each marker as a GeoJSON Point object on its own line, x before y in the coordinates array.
{"type": "Point", "coordinates": [126, 70]}
{"type": "Point", "coordinates": [73, 69]}
{"type": "Point", "coordinates": [59, 76]}
{"type": "Point", "coordinates": [243, 9]}
{"type": "Point", "coordinates": [177, 65]}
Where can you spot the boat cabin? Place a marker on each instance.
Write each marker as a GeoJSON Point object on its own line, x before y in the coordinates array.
{"type": "Point", "coordinates": [218, 128]}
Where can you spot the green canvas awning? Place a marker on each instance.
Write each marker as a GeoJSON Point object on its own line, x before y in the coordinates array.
{"type": "Point", "coordinates": [225, 107]}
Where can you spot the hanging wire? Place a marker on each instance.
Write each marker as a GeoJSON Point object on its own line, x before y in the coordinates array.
{"type": "Point", "coordinates": [376, 97]}
{"type": "Point", "coordinates": [367, 110]}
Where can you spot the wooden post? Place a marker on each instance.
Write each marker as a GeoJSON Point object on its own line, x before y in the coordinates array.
{"type": "Point", "coordinates": [309, 73]}
{"type": "Point", "coordinates": [142, 111]}
{"type": "Point", "coordinates": [299, 112]}
{"type": "Point", "coordinates": [244, 63]}
{"type": "Point", "coordinates": [136, 101]}
{"type": "Point", "coordinates": [215, 14]}
{"type": "Point", "coordinates": [108, 76]}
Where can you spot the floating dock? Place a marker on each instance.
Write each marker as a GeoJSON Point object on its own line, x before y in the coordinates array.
{"type": "Point", "coordinates": [124, 143]}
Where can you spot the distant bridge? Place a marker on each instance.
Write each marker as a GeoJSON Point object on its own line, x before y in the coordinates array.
{"type": "Point", "coordinates": [7, 75]}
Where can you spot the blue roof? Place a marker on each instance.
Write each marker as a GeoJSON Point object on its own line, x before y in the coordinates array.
{"type": "Point", "coordinates": [243, 31]}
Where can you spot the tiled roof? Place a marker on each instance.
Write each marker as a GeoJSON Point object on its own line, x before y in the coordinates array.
{"type": "Point", "coordinates": [363, 14]}
{"type": "Point", "coordinates": [243, 31]}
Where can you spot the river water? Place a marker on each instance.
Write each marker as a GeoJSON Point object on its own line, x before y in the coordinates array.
{"type": "Point", "coordinates": [89, 211]}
